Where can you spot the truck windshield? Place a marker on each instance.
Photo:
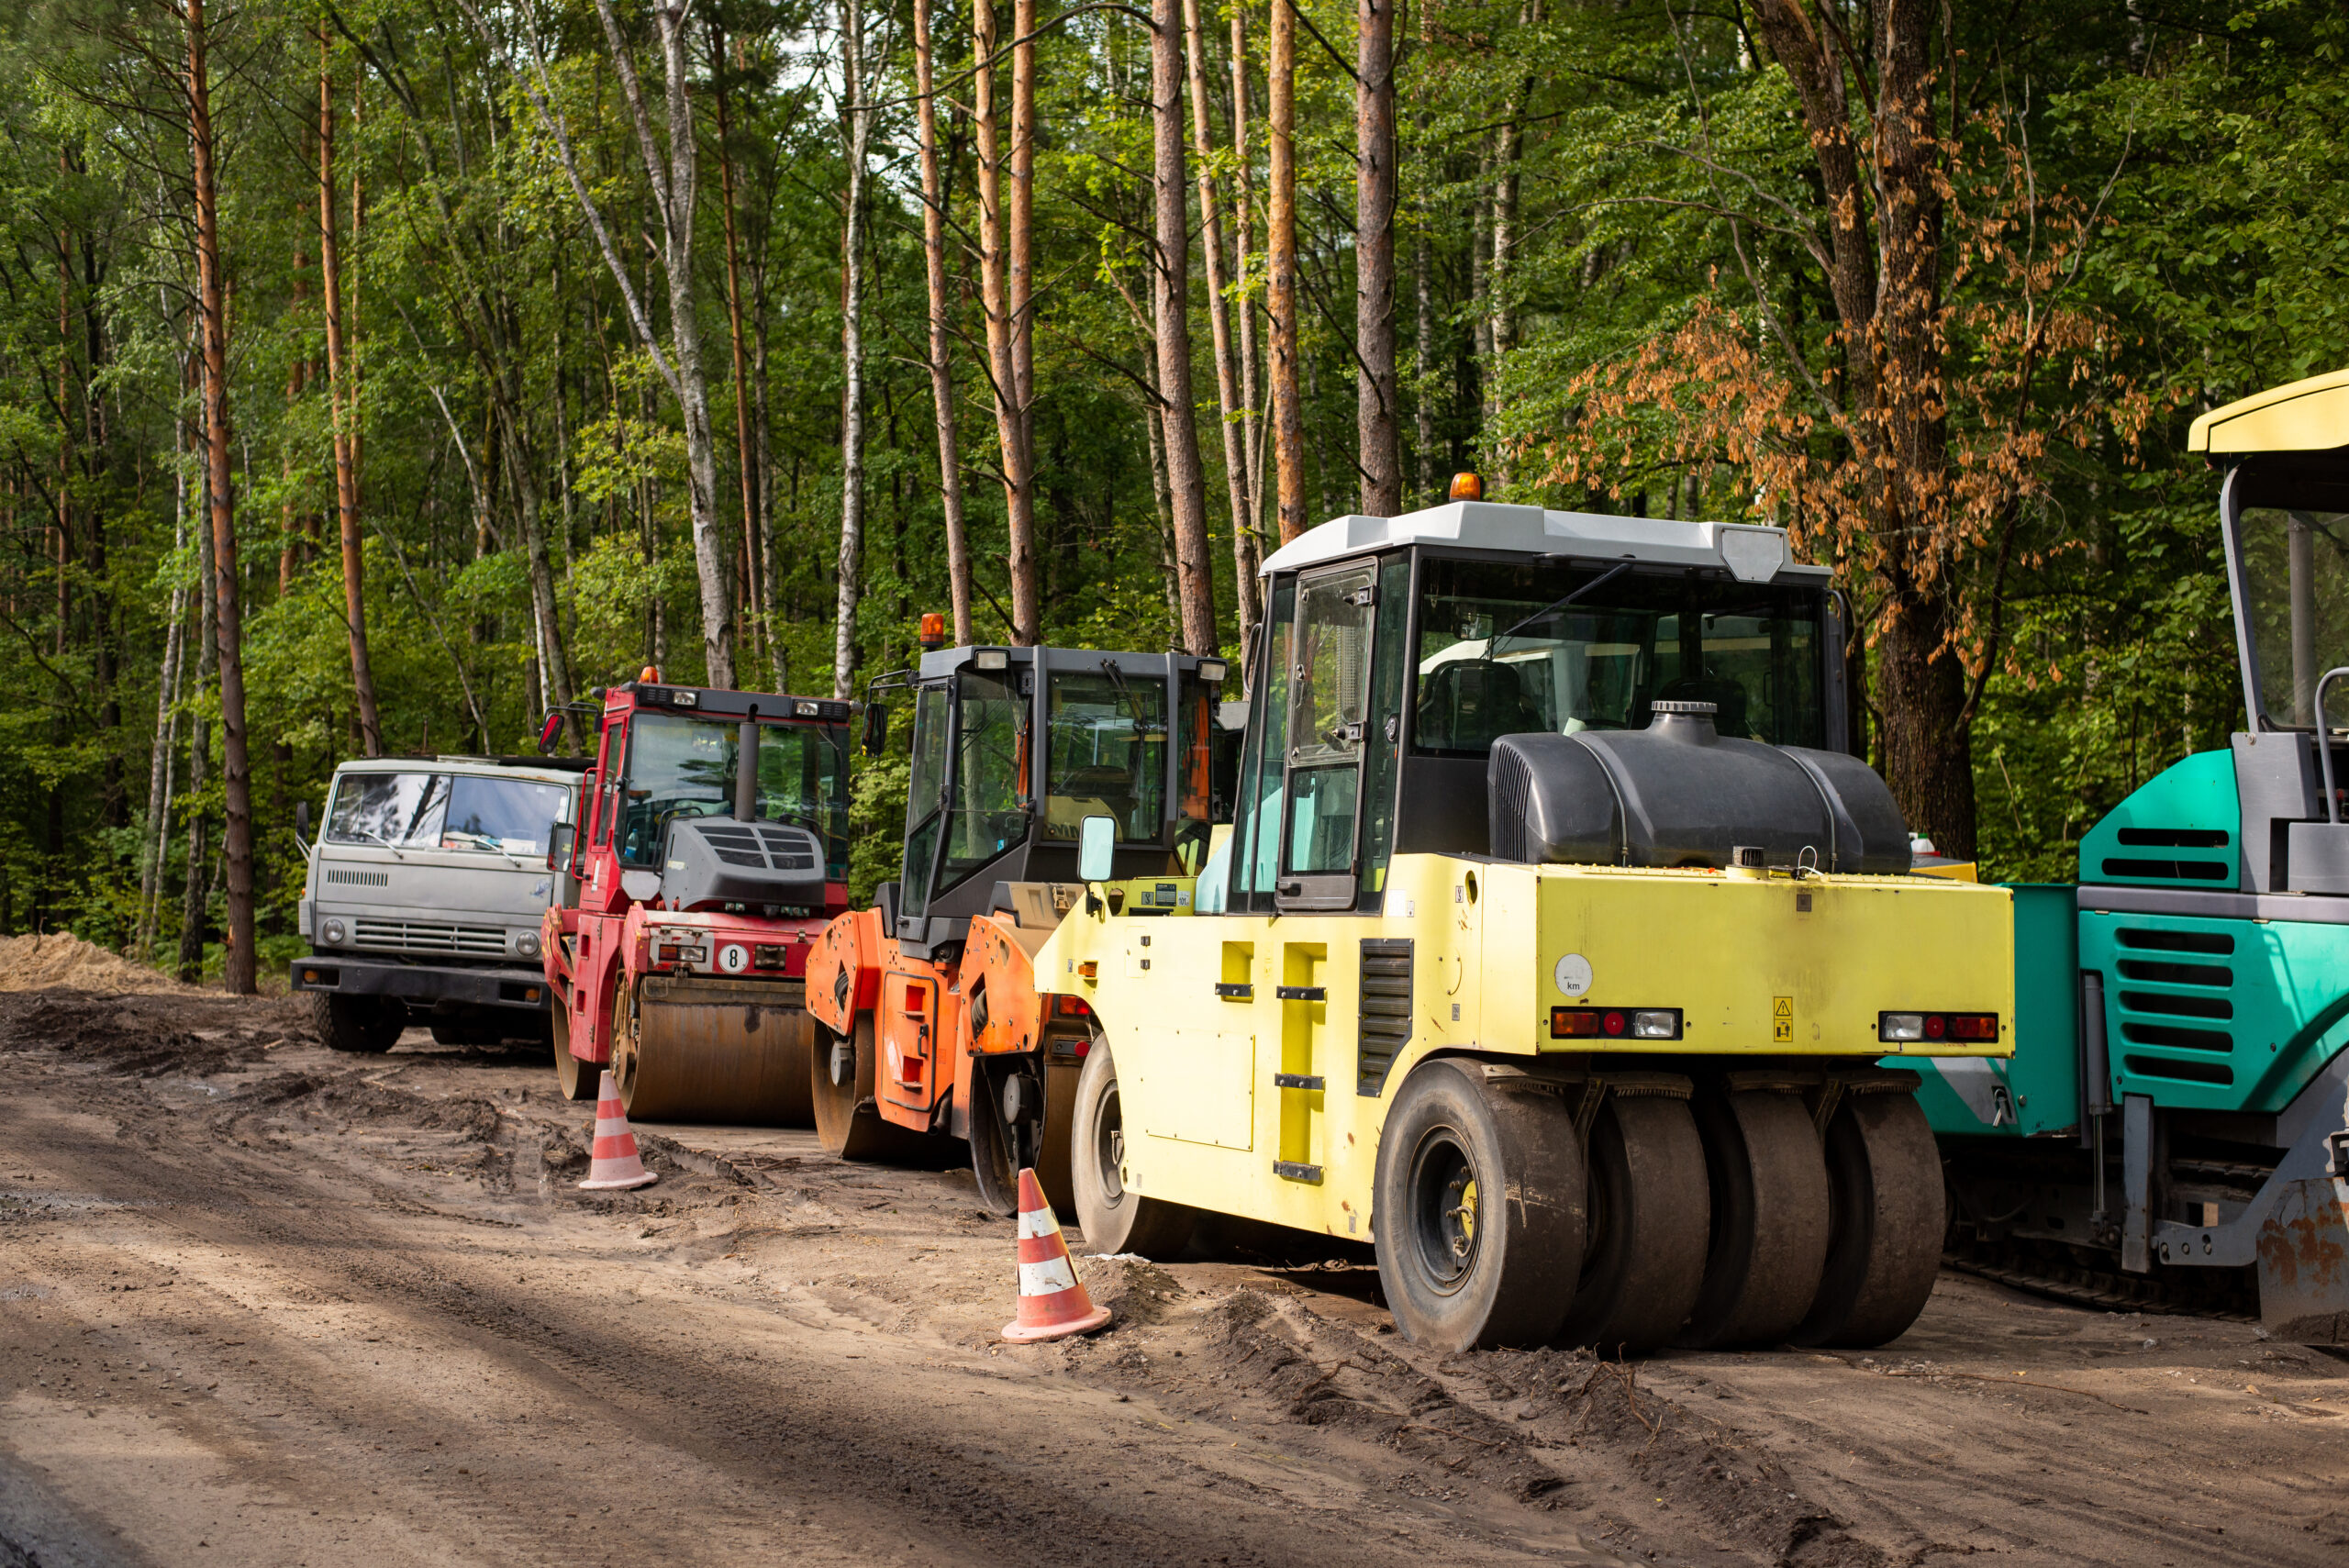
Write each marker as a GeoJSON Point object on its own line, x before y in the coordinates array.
{"type": "Point", "coordinates": [446, 811]}
{"type": "Point", "coordinates": [684, 767]}
{"type": "Point", "coordinates": [1107, 735]}
{"type": "Point", "coordinates": [1495, 658]}
{"type": "Point", "coordinates": [2292, 536]}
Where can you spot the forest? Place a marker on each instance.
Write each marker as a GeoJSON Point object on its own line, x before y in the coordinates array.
{"type": "Point", "coordinates": [377, 375]}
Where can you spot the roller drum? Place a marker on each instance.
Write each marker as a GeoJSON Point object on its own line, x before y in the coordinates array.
{"type": "Point", "coordinates": [716, 1050]}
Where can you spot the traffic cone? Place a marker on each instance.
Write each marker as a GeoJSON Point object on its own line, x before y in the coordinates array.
{"type": "Point", "coordinates": [615, 1165]}
{"type": "Point", "coordinates": [1052, 1303]}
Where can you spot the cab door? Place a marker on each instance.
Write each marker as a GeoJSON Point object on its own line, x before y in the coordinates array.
{"type": "Point", "coordinates": [1326, 647]}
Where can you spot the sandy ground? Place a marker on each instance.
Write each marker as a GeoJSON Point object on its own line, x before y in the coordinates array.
{"type": "Point", "coordinates": [262, 1305]}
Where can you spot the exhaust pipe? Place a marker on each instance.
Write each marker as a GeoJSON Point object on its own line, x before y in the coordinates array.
{"type": "Point", "coordinates": [746, 769]}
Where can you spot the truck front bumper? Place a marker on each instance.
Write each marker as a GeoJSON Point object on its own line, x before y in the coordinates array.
{"type": "Point", "coordinates": [423, 985]}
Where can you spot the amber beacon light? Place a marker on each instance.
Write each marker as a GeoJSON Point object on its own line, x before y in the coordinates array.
{"type": "Point", "coordinates": [1467, 488]}
{"type": "Point", "coordinates": [933, 632]}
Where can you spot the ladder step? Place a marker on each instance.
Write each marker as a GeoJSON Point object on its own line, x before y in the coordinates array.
{"type": "Point", "coordinates": [1290, 1169]}
{"type": "Point", "coordinates": [1295, 1081]}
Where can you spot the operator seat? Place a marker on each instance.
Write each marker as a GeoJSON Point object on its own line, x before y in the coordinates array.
{"type": "Point", "coordinates": [1468, 704]}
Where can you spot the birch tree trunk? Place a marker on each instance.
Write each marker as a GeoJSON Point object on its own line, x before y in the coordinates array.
{"type": "Point", "coordinates": [1235, 461]}
{"type": "Point", "coordinates": [195, 894]}
{"type": "Point", "coordinates": [941, 363]}
{"type": "Point", "coordinates": [1280, 293]}
{"type": "Point", "coordinates": [342, 404]}
{"type": "Point", "coordinates": [851, 358]}
{"type": "Point", "coordinates": [1187, 484]}
{"type": "Point", "coordinates": [752, 555]}
{"type": "Point", "coordinates": [1376, 430]}
{"type": "Point", "coordinates": [236, 767]}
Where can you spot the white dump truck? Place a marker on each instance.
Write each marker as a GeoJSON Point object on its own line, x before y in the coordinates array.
{"type": "Point", "coordinates": [425, 886]}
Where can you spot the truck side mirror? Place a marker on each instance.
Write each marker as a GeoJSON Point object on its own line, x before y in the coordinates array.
{"type": "Point", "coordinates": [547, 731]}
{"type": "Point", "coordinates": [1097, 845]}
{"type": "Point", "coordinates": [876, 729]}
{"type": "Point", "coordinates": [560, 839]}
{"type": "Point", "coordinates": [302, 825]}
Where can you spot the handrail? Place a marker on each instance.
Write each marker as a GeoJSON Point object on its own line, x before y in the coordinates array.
{"type": "Point", "coordinates": [2324, 744]}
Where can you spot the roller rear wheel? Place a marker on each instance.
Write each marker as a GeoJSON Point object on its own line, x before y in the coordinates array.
{"type": "Point", "coordinates": [1768, 1181]}
{"type": "Point", "coordinates": [1479, 1211]}
{"type": "Point", "coordinates": [577, 1080]}
{"type": "Point", "coordinates": [1114, 1219]}
{"type": "Point", "coordinates": [1889, 1209]}
{"type": "Point", "coordinates": [848, 1119]}
{"type": "Point", "coordinates": [1650, 1224]}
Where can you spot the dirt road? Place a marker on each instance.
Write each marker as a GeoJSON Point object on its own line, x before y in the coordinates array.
{"type": "Point", "coordinates": [264, 1304]}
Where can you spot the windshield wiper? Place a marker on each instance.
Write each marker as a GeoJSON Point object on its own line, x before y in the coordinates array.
{"type": "Point", "coordinates": [1601, 580]}
{"type": "Point", "coordinates": [363, 833]}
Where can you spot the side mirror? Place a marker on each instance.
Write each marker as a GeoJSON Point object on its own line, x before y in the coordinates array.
{"type": "Point", "coordinates": [302, 820]}
{"type": "Point", "coordinates": [1097, 847]}
{"type": "Point", "coordinates": [876, 729]}
{"type": "Point", "coordinates": [546, 732]}
{"type": "Point", "coordinates": [560, 839]}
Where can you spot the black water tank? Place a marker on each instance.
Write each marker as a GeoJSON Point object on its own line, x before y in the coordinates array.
{"type": "Point", "coordinates": [1679, 794]}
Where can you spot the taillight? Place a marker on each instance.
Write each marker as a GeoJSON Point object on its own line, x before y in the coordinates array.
{"type": "Point", "coordinates": [1615, 1023]}
{"type": "Point", "coordinates": [1072, 1008]}
{"type": "Point", "coordinates": [1909, 1028]}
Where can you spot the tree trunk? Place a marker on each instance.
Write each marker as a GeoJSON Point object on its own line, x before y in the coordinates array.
{"type": "Point", "coordinates": [1280, 292]}
{"type": "Point", "coordinates": [1423, 288]}
{"type": "Point", "coordinates": [155, 842]}
{"type": "Point", "coordinates": [1243, 240]}
{"type": "Point", "coordinates": [1376, 432]}
{"type": "Point", "coordinates": [1010, 418]}
{"type": "Point", "coordinates": [851, 358]}
{"type": "Point", "coordinates": [344, 409]}
{"type": "Point", "coordinates": [941, 363]}
{"type": "Point", "coordinates": [1187, 484]}
{"type": "Point", "coordinates": [1227, 380]}
{"type": "Point", "coordinates": [236, 768]}
{"type": "Point", "coordinates": [752, 554]}
{"type": "Point", "coordinates": [1881, 214]}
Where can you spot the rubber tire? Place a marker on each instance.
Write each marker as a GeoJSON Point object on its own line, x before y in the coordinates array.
{"type": "Point", "coordinates": [848, 1119]}
{"type": "Point", "coordinates": [1890, 1210]}
{"type": "Point", "coordinates": [367, 1026]}
{"type": "Point", "coordinates": [1768, 1179]}
{"type": "Point", "coordinates": [1517, 1145]}
{"type": "Point", "coordinates": [1651, 1220]}
{"type": "Point", "coordinates": [1113, 1219]}
{"type": "Point", "coordinates": [992, 1165]}
{"type": "Point", "coordinates": [575, 1080]}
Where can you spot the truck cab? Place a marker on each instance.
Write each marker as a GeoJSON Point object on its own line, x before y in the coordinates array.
{"type": "Point", "coordinates": [423, 897]}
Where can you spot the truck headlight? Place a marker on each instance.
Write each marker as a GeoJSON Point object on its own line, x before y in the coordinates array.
{"type": "Point", "coordinates": [332, 933]}
{"type": "Point", "coordinates": [527, 944]}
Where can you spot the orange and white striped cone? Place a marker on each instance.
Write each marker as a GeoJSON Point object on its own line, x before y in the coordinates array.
{"type": "Point", "coordinates": [1053, 1303]}
{"type": "Point", "coordinates": [615, 1165]}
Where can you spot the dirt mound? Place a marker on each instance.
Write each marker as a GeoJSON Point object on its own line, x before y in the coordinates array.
{"type": "Point", "coordinates": [61, 958]}
{"type": "Point", "coordinates": [145, 1036]}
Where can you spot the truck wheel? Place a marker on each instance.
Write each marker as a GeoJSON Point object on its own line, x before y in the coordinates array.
{"type": "Point", "coordinates": [1768, 1178]}
{"type": "Point", "coordinates": [1650, 1222]}
{"type": "Point", "coordinates": [578, 1080]}
{"type": "Point", "coordinates": [368, 1025]}
{"type": "Point", "coordinates": [1113, 1219]}
{"type": "Point", "coordinates": [1890, 1211]}
{"type": "Point", "coordinates": [1478, 1211]}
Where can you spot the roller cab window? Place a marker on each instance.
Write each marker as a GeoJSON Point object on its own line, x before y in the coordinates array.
{"type": "Point", "coordinates": [685, 767]}
{"type": "Point", "coordinates": [1326, 645]}
{"type": "Point", "coordinates": [1498, 654]}
{"type": "Point", "coordinates": [968, 801]}
{"type": "Point", "coordinates": [1105, 737]}
{"type": "Point", "coordinates": [2288, 532]}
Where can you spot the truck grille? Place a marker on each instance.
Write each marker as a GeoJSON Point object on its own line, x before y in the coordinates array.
{"type": "Point", "coordinates": [2190, 1021]}
{"type": "Point", "coordinates": [431, 936]}
{"type": "Point", "coordinates": [1385, 1010]}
